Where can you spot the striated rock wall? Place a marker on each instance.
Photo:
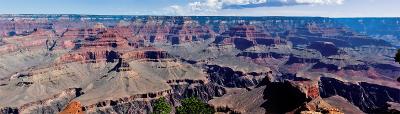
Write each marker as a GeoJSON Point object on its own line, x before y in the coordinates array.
{"type": "Point", "coordinates": [143, 103]}
{"type": "Point", "coordinates": [370, 98]}
{"type": "Point", "coordinates": [227, 77]}
{"type": "Point", "coordinates": [325, 48]}
{"type": "Point", "coordinates": [126, 104]}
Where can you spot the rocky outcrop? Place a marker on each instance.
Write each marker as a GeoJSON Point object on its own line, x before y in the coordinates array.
{"type": "Point", "coordinates": [270, 41]}
{"type": "Point", "coordinates": [150, 54]}
{"type": "Point", "coordinates": [113, 55]}
{"type": "Point", "coordinates": [283, 97]}
{"type": "Point", "coordinates": [143, 103]}
{"type": "Point", "coordinates": [296, 97]}
{"type": "Point", "coordinates": [389, 70]}
{"type": "Point", "coordinates": [326, 67]}
{"type": "Point", "coordinates": [325, 48]}
{"type": "Point", "coordinates": [242, 44]}
{"type": "Point", "coordinates": [205, 92]}
{"type": "Point", "coordinates": [360, 67]}
{"type": "Point", "coordinates": [254, 55]}
{"type": "Point", "coordinates": [21, 27]}
{"type": "Point", "coordinates": [46, 106]}
{"type": "Point", "coordinates": [227, 77]}
{"type": "Point", "coordinates": [246, 36]}
{"type": "Point", "coordinates": [9, 110]}
{"type": "Point", "coordinates": [277, 97]}
{"type": "Point", "coordinates": [343, 104]}
{"type": "Point", "coordinates": [242, 101]}
{"type": "Point", "coordinates": [73, 107]}
{"type": "Point", "coordinates": [109, 45]}
{"type": "Point", "coordinates": [140, 106]}
{"type": "Point", "coordinates": [370, 98]}
{"type": "Point", "coordinates": [295, 59]}
{"type": "Point", "coordinates": [124, 102]}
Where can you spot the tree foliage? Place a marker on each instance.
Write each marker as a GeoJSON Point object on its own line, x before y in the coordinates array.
{"type": "Point", "coordinates": [161, 106]}
{"type": "Point", "coordinates": [397, 58]}
{"type": "Point", "coordinates": [193, 105]}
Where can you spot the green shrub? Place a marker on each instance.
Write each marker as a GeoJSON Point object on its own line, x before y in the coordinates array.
{"type": "Point", "coordinates": [193, 105]}
{"type": "Point", "coordinates": [162, 107]}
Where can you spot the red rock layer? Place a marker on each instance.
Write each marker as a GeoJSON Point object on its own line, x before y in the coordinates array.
{"type": "Point", "coordinates": [112, 43]}
{"type": "Point", "coordinates": [73, 107]}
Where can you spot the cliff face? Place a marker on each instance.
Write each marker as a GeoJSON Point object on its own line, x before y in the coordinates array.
{"type": "Point", "coordinates": [288, 96]}
{"type": "Point", "coordinates": [370, 98]}
{"type": "Point", "coordinates": [325, 48]}
{"type": "Point", "coordinates": [227, 77]}
{"type": "Point", "coordinates": [138, 104]}
{"type": "Point", "coordinates": [246, 36]}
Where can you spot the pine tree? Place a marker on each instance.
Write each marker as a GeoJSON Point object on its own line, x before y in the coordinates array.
{"type": "Point", "coordinates": [193, 105]}
{"type": "Point", "coordinates": [161, 106]}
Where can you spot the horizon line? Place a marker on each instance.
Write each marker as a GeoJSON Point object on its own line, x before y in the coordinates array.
{"type": "Point", "coordinates": [197, 15]}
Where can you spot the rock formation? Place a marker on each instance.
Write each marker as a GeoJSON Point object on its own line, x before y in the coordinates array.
{"type": "Point", "coordinates": [123, 64]}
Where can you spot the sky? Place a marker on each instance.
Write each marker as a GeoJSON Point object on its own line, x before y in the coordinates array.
{"type": "Point", "coordinates": [321, 8]}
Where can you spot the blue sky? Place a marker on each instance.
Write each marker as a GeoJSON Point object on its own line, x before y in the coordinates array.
{"type": "Point", "coordinates": [325, 8]}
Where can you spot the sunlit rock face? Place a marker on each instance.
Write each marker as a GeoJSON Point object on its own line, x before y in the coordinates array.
{"type": "Point", "coordinates": [123, 64]}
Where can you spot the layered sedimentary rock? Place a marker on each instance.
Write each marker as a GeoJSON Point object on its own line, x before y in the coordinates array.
{"type": "Point", "coordinates": [277, 97]}
{"type": "Point", "coordinates": [370, 98]}
{"type": "Point", "coordinates": [246, 36]}
{"type": "Point", "coordinates": [73, 107]}
{"type": "Point", "coordinates": [123, 64]}
{"type": "Point", "coordinates": [227, 77]}
{"type": "Point", "coordinates": [325, 48]}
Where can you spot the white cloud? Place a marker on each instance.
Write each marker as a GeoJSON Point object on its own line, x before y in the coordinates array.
{"type": "Point", "coordinates": [206, 7]}
{"type": "Point", "coordinates": [175, 9]}
{"type": "Point", "coordinates": [323, 2]}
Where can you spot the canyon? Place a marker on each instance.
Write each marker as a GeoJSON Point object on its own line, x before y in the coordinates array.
{"type": "Point", "coordinates": [251, 65]}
